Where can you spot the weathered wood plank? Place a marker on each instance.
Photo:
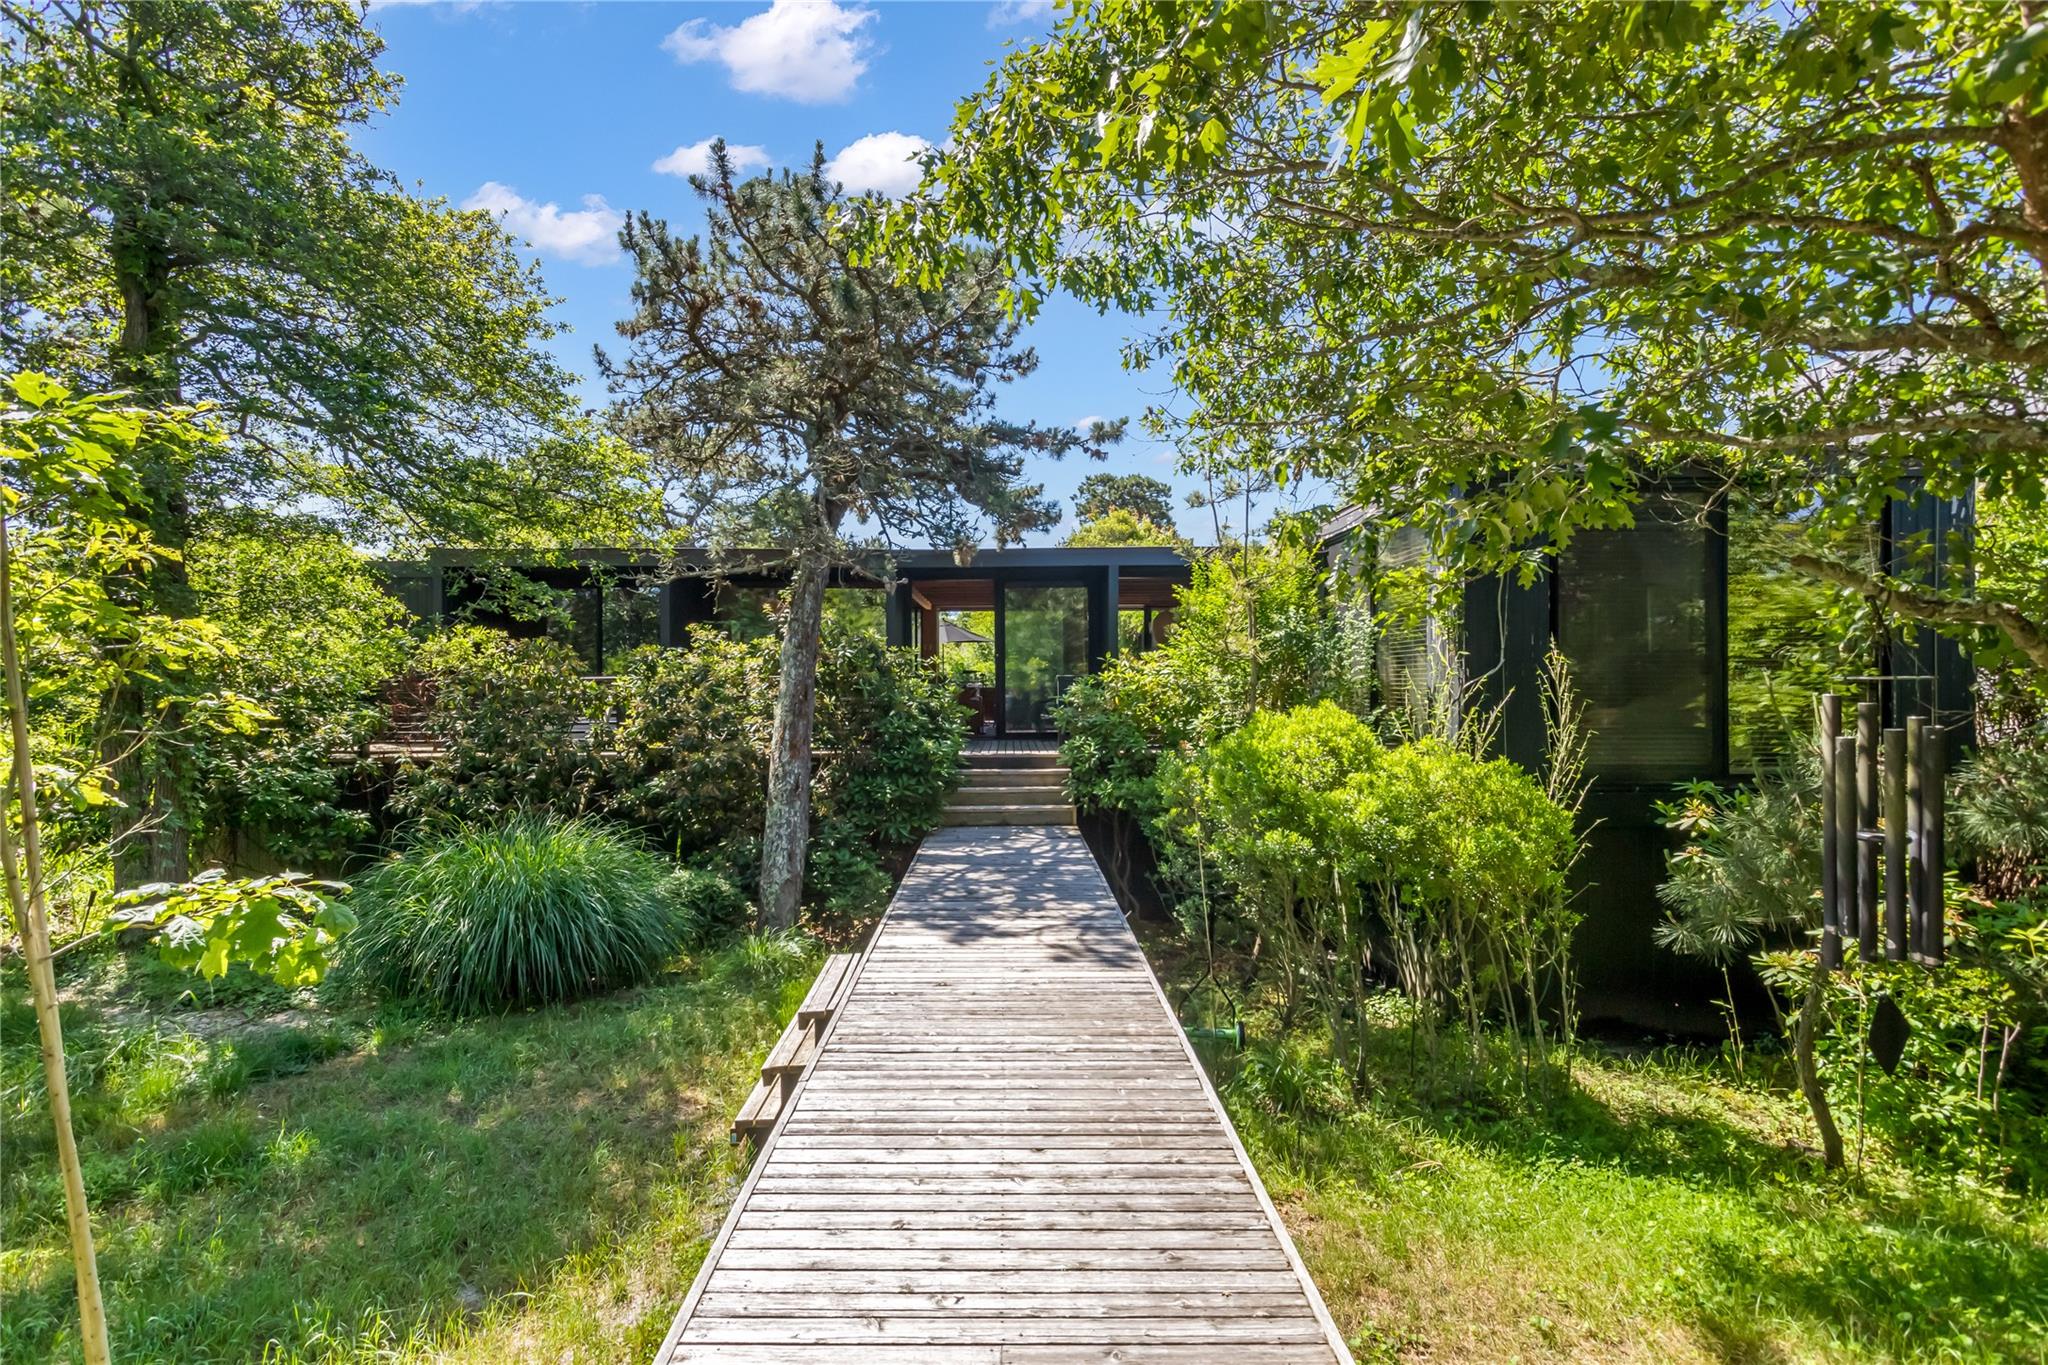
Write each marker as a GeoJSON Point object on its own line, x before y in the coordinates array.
{"type": "Point", "coordinates": [1001, 1150]}
{"type": "Point", "coordinates": [1113, 1305]}
{"type": "Point", "coordinates": [825, 1221]}
{"type": "Point", "coordinates": [856, 1331]}
{"type": "Point", "coordinates": [1109, 1353]}
{"type": "Point", "coordinates": [991, 1239]}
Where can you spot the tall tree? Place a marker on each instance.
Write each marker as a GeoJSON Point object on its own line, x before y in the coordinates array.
{"type": "Point", "coordinates": [189, 222]}
{"type": "Point", "coordinates": [793, 393]}
{"type": "Point", "coordinates": [1499, 267]}
{"type": "Point", "coordinates": [1144, 497]}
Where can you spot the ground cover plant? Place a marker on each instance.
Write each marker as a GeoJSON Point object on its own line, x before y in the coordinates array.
{"type": "Point", "coordinates": [279, 1181]}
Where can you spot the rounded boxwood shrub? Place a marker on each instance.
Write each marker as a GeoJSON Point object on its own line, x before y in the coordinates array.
{"type": "Point", "coordinates": [534, 911]}
{"type": "Point", "coordinates": [709, 906]}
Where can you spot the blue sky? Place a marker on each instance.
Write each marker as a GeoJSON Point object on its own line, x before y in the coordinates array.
{"type": "Point", "coordinates": [556, 114]}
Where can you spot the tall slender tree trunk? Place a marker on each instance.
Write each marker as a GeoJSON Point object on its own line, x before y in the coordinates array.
{"type": "Point", "coordinates": [151, 832]}
{"type": "Point", "coordinates": [24, 877]}
{"type": "Point", "coordinates": [787, 830]}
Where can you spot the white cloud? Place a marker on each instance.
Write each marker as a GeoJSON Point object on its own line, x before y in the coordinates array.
{"type": "Point", "coordinates": [882, 162]}
{"type": "Point", "coordinates": [1088, 424]}
{"type": "Point", "coordinates": [695, 159]}
{"type": "Point", "coordinates": [588, 236]}
{"type": "Point", "coordinates": [810, 51]}
{"type": "Point", "coordinates": [1019, 12]}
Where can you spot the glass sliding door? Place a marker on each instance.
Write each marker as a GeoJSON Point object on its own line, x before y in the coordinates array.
{"type": "Point", "coordinates": [1045, 647]}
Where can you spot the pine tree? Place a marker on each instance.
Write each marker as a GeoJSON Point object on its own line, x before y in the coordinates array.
{"type": "Point", "coordinates": [791, 393]}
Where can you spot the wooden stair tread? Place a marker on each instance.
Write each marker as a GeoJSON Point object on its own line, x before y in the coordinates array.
{"type": "Point", "coordinates": [826, 992]}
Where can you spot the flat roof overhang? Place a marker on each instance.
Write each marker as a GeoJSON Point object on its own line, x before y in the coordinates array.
{"type": "Point", "coordinates": [908, 563]}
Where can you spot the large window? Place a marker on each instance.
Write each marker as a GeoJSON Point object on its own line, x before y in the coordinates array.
{"type": "Point", "coordinates": [632, 620]}
{"type": "Point", "coordinates": [857, 610]}
{"type": "Point", "coordinates": [1414, 618]}
{"type": "Point", "coordinates": [747, 611]}
{"type": "Point", "coordinates": [607, 619]}
{"type": "Point", "coordinates": [1632, 616]}
{"type": "Point", "coordinates": [1045, 647]}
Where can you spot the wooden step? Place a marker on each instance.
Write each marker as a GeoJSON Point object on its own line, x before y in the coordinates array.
{"type": "Point", "coordinates": [828, 989]}
{"type": "Point", "coordinates": [1013, 777]}
{"type": "Point", "coordinates": [1048, 759]}
{"type": "Point", "coordinates": [1008, 815]}
{"type": "Point", "coordinates": [793, 1052]}
{"type": "Point", "coordinates": [796, 1049]}
{"type": "Point", "coordinates": [1037, 794]}
{"type": "Point", "coordinates": [762, 1108]}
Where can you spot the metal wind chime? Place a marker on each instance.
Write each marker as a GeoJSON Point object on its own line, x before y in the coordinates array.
{"type": "Point", "coordinates": [1897, 774]}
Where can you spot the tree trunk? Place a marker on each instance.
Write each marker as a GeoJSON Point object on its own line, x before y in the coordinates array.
{"type": "Point", "coordinates": [24, 878]}
{"type": "Point", "coordinates": [787, 830]}
{"type": "Point", "coordinates": [151, 832]}
{"type": "Point", "coordinates": [1809, 1071]}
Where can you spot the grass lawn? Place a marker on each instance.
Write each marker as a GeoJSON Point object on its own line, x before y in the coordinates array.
{"type": "Point", "coordinates": [1658, 1215]}
{"type": "Point", "coordinates": [1661, 1210]}
{"type": "Point", "coordinates": [542, 1187]}
{"type": "Point", "coordinates": [316, 1187]}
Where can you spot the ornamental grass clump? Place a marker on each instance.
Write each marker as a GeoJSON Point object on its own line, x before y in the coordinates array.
{"type": "Point", "coordinates": [533, 911]}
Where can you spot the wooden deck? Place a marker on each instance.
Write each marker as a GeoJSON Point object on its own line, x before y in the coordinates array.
{"type": "Point", "coordinates": [1004, 1152]}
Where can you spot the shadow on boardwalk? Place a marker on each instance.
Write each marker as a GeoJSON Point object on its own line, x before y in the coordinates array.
{"type": "Point", "coordinates": [1004, 1153]}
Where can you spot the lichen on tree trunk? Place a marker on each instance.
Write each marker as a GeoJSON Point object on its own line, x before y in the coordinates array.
{"type": "Point", "coordinates": [787, 830]}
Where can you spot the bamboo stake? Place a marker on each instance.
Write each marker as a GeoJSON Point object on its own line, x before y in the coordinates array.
{"type": "Point", "coordinates": [1895, 845]}
{"type": "Point", "coordinates": [1867, 720]}
{"type": "Point", "coordinates": [1916, 885]}
{"type": "Point", "coordinates": [27, 903]}
{"type": "Point", "coordinates": [1830, 878]}
{"type": "Point", "coordinates": [1844, 834]}
{"type": "Point", "coordinates": [1933, 809]}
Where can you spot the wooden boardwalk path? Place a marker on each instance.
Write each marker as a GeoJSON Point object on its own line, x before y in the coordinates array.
{"type": "Point", "coordinates": [1005, 1152]}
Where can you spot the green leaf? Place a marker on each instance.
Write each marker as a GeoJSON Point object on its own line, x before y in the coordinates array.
{"type": "Point", "coordinates": [1338, 73]}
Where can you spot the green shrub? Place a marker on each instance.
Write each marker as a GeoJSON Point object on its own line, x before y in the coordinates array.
{"type": "Point", "coordinates": [1749, 869]}
{"type": "Point", "coordinates": [534, 911]}
{"type": "Point", "coordinates": [1334, 846]}
{"type": "Point", "coordinates": [709, 907]}
{"type": "Point", "coordinates": [1998, 813]}
{"type": "Point", "coordinates": [676, 749]}
{"type": "Point", "coordinates": [890, 728]}
{"type": "Point", "coordinates": [1467, 858]}
{"type": "Point", "coordinates": [843, 879]}
{"type": "Point", "coordinates": [1275, 806]}
{"type": "Point", "coordinates": [313, 633]}
{"type": "Point", "coordinates": [1969, 1090]}
{"type": "Point", "coordinates": [685, 760]}
{"type": "Point", "coordinates": [513, 717]}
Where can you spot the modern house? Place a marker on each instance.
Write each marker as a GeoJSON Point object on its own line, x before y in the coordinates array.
{"type": "Point", "coordinates": [1057, 613]}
